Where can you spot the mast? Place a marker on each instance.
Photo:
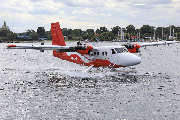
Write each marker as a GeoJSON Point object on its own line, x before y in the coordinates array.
{"type": "Point", "coordinates": [162, 32]}
{"type": "Point", "coordinates": [170, 32]}
{"type": "Point", "coordinates": [173, 33]}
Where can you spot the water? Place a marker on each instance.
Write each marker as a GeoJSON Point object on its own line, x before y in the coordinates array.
{"type": "Point", "coordinates": [30, 88]}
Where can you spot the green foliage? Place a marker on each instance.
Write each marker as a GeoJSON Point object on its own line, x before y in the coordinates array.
{"type": "Point", "coordinates": [28, 32]}
{"type": "Point", "coordinates": [11, 36]}
{"type": "Point", "coordinates": [85, 36]}
{"type": "Point", "coordinates": [34, 36]}
{"type": "Point", "coordinates": [3, 33]}
{"type": "Point", "coordinates": [64, 31]}
{"type": "Point", "coordinates": [98, 31]}
{"type": "Point", "coordinates": [103, 29]}
{"type": "Point", "coordinates": [107, 36]}
{"type": "Point", "coordinates": [130, 29]}
{"type": "Point", "coordinates": [77, 32]}
{"type": "Point", "coordinates": [90, 31]}
{"type": "Point", "coordinates": [146, 29]}
{"type": "Point", "coordinates": [178, 35]}
{"type": "Point", "coordinates": [41, 32]}
{"type": "Point", "coordinates": [115, 30]}
{"type": "Point", "coordinates": [48, 35]}
{"type": "Point", "coordinates": [102, 33]}
{"type": "Point", "coordinates": [69, 32]}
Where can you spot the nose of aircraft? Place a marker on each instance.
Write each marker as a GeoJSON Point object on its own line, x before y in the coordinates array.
{"type": "Point", "coordinates": [129, 59]}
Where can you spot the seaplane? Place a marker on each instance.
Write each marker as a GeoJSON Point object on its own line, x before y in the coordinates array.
{"type": "Point", "coordinates": [109, 57]}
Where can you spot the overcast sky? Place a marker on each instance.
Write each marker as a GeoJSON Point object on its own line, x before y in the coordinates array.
{"type": "Point", "coordinates": [21, 15]}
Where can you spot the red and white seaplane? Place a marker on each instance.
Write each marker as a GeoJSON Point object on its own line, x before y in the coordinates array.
{"type": "Point", "coordinates": [106, 56]}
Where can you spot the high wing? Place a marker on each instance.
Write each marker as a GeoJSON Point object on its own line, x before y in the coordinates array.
{"type": "Point", "coordinates": [134, 47]}
{"type": "Point", "coordinates": [77, 48]}
{"type": "Point", "coordinates": [37, 47]}
{"type": "Point", "coordinates": [158, 43]}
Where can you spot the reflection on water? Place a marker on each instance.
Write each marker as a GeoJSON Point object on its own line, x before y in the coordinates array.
{"type": "Point", "coordinates": [30, 88]}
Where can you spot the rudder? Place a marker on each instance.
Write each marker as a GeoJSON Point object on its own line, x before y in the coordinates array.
{"type": "Point", "coordinates": [57, 36]}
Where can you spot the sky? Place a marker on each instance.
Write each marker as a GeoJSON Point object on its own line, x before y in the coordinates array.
{"type": "Point", "coordinates": [21, 15]}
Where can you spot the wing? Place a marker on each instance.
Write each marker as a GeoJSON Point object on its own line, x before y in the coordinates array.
{"type": "Point", "coordinates": [158, 43]}
{"type": "Point", "coordinates": [37, 47]}
{"type": "Point", "coordinates": [41, 47]}
{"type": "Point", "coordinates": [134, 48]}
{"type": "Point", "coordinates": [82, 49]}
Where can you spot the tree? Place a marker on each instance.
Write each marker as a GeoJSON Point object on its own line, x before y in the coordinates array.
{"type": "Point", "coordinates": [77, 32]}
{"type": "Point", "coordinates": [103, 29]}
{"type": "Point", "coordinates": [107, 36]}
{"type": "Point", "coordinates": [41, 32]}
{"type": "Point", "coordinates": [69, 32]}
{"type": "Point", "coordinates": [85, 36]}
{"type": "Point", "coordinates": [11, 36]}
{"type": "Point", "coordinates": [98, 31]}
{"type": "Point", "coordinates": [28, 32]}
{"type": "Point", "coordinates": [158, 32]}
{"type": "Point", "coordinates": [115, 30]}
{"type": "Point", "coordinates": [130, 29]}
{"type": "Point", "coordinates": [178, 35]}
{"type": "Point", "coordinates": [65, 32]}
{"type": "Point", "coordinates": [146, 29]}
{"type": "Point", "coordinates": [90, 31]}
{"type": "Point", "coordinates": [48, 35]}
{"type": "Point", "coordinates": [3, 33]}
{"type": "Point", "coordinates": [34, 36]}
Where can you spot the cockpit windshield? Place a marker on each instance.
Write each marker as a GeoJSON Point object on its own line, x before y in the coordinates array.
{"type": "Point", "coordinates": [121, 50]}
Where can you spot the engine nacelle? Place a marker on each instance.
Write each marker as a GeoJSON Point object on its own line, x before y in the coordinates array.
{"type": "Point", "coordinates": [132, 48]}
{"type": "Point", "coordinates": [86, 49]}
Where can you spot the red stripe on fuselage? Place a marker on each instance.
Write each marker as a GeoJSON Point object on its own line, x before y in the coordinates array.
{"type": "Point", "coordinates": [76, 59]}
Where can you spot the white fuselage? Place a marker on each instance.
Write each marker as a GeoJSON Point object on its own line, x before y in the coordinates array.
{"type": "Point", "coordinates": [116, 55]}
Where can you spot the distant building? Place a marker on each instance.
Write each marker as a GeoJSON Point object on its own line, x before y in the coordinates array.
{"type": "Point", "coordinates": [23, 38]}
{"type": "Point", "coordinates": [5, 27]}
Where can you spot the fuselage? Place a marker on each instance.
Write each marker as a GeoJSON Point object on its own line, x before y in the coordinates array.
{"type": "Point", "coordinates": [106, 56]}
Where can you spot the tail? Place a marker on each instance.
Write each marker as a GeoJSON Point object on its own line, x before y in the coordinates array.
{"type": "Point", "coordinates": [57, 37]}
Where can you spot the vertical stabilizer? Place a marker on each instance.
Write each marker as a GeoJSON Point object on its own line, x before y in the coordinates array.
{"type": "Point", "coordinates": [57, 39]}
{"type": "Point", "coordinates": [57, 36]}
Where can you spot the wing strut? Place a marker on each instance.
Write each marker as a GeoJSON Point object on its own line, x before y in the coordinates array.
{"type": "Point", "coordinates": [89, 68]}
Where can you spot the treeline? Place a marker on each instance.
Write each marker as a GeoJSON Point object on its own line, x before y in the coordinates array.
{"type": "Point", "coordinates": [100, 33]}
{"type": "Point", "coordinates": [105, 35]}
{"type": "Point", "coordinates": [7, 35]}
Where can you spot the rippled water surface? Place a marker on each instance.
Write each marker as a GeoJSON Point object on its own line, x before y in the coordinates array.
{"type": "Point", "coordinates": [31, 89]}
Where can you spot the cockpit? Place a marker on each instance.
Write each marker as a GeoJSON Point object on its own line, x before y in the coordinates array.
{"type": "Point", "coordinates": [119, 50]}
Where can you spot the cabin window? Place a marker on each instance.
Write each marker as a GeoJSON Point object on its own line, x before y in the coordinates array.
{"type": "Point", "coordinates": [94, 53]}
{"type": "Point", "coordinates": [106, 53]}
{"type": "Point", "coordinates": [97, 53]}
{"type": "Point", "coordinates": [118, 50]}
{"type": "Point", "coordinates": [113, 51]}
{"type": "Point", "coordinates": [103, 53]}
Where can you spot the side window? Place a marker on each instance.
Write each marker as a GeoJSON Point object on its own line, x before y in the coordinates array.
{"type": "Point", "coordinates": [97, 53]}
{"type": "Point", "coordinates": [103, 53]}
{"type": "Point", "coordinates": [106, 53]}
{"type": "Point", "coordinates": [113, 52]}
{"type": "Point", "coordinates": [94, 53]}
